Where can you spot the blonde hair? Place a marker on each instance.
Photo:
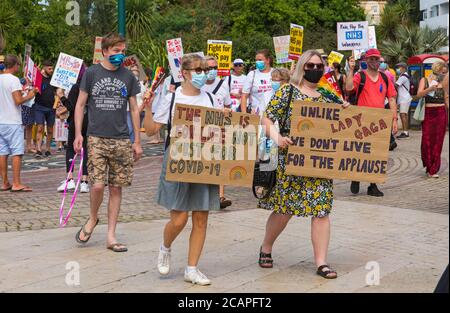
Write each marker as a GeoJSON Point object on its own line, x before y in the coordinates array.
{"type": "Point", "coordinates": [438, 66]}
{"type": "Point", "coordinates": [299, 71]}
{"type": "Point", "coordinates": [211, 58]}
{"type": "Point", "coordinates": [283, 73]}
{"type": "Point", "coordinates": [188, 59]}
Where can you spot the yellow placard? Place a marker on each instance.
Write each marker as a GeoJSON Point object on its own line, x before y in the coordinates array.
{"type": "Point", "coordinates": [222, 50]}
{"type": "Point", "coordinates": [336, 143]}
{"type": "Point", "coordinates": [296, 42]}
{"type": "Point", "coordinates": [210, 146]}
{"type": "Point", "coordinates": [334, 57]}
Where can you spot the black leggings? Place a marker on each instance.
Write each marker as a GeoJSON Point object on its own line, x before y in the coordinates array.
{"type": "Point", "coordinates": [70, 152]}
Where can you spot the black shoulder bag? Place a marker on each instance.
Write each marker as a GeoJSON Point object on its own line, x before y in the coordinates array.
{"type": "Point", "coordinates": [264, 181]}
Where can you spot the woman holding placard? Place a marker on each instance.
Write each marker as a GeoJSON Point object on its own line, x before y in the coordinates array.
{"type": "Point", "coordinates": [294, 195]}
{"type": "Point", "coordinates": [179, 197]}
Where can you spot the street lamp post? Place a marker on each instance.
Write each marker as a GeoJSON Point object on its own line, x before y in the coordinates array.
{"type": "Point", "coordinates": [121, 8]}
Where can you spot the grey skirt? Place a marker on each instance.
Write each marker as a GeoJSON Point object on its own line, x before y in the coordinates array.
{"type": "Point", "coordinates": [186, 197]}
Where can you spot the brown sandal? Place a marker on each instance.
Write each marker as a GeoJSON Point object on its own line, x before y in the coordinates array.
{"type": "Point", "coordinates": [325, 273]}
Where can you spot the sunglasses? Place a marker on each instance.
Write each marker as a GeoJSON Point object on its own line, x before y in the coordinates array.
{"type": "Point", "coordinates": [198, 70]}
{"type": "Point", "coordinates": [213, 68]}
{"type": "Point", "coordinates": [239, 65]}
{"type": "Point", "coordinates": [311, 66]}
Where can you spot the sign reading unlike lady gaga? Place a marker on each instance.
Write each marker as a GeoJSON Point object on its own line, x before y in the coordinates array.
{"type": "Point", "coordinates": [210, 146]}
{"type": "Point", "coordinates": [337, 143]}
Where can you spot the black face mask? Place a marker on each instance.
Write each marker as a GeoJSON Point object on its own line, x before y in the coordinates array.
{"type": "Point", "coordinates": [313, 76]}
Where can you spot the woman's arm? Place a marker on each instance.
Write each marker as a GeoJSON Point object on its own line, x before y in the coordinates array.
{"type": "Point", "coordinates": [151, 127]}
{"type": "Point", "coordinates": [422, 91]}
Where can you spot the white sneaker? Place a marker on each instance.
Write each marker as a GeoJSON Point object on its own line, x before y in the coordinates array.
{"type": "Point", "coordinates": [70, 185]}
{"type": "Point", "coordinates": [84, 187]}
{"type": "Point", "coordinates": [163, 262]}
{"type": "Point", "coordinates": [196, 277]}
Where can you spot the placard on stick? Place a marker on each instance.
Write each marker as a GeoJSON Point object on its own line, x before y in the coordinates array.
{"type": "Point", "coordinates": [210, 146]}
{"type": "Point", "coordinates": [174, 55]}
{"type": "Point", "coordinates": [352, 35]}
{"type": "Point", "coordinates": [296, 42]}
{"type": "Point", "coordinates": [98, 55]}
{"type": "Point", "coordinates": [336, 143]}
{"type": "Point", "coordinates": [222, 50]}
{"type": "Point", "coordinates": [281, 44]}
{"type": "Point", "coordinates": [66, 71]}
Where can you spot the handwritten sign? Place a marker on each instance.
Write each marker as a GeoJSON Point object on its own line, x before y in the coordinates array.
{"type": "Point", "coordinates": [372, 43]}
{"type": "Point", "coordinates": [133, 60]}
{"type": "Point", "coordinates": [98, 55]}
{"type": "Point", "coordinates": [66, 71]}
{"type": "Point", "coordinates": [352, 35]}
{"type": "Point", "coordinates": [281, 44]}
{"type": "Point", "coordinates": [222, 50]}
{"type": "Point", "coordinates": [332, 142]}
{"type": "Point", "coordinates": [334, 57]}
{"type": "Point", "coordinates": [296, 42]}
{"type": "Point", "coordinates": [210, 146]}
{"type": "Point", "coordinates": [175, 53]}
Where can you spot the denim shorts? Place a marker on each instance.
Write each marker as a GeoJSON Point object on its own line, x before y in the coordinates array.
{"type": "Point", "coordinates": [11, 140]}
{"type": "Point", "coordinates": [44, 115]}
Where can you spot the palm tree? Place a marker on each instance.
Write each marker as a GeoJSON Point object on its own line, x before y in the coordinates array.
{"type": "Point", "coordinates": [7, 18]}
{"type": "Point", "coordinates": [413, 40]}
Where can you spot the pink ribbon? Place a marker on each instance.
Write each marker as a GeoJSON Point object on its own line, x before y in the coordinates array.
{"type": "Point", "coordinates": [80, 171]}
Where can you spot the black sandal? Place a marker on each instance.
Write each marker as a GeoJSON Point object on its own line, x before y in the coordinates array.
{"type": "Point", "coordinates": [265, 259]}
{"type": "Point", "coordinates": [85, 233]}
{"type": "Point", "coordinates": [325, 274]}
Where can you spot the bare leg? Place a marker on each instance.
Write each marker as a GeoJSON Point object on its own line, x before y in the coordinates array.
{"type": "Point", "coordinates": [96, 194]}
{"type": "Point", "coordinates": [49, 137]}
{"type": "Point", "coordinates": [222, 191]}
{"type": "Point", "coordinates": [29, 139]}
{"type": "Point", "coordinates": [320, 235]}
{"type": "Point", "coordinates": [16, 166]}
{"type": "Point", "coordinates": [115, 199]}
{"type": "Point", "coordinates": [174, 227]}
{"type": "Point", "coordinates": [4, 171]}
{"type": "Point", "coordinates": [274, 226]}
{"type": "Point", "coordinates": [404, 118]}
{"type": "Point", "coordinates": [39, 135]}
{"type": "Point", "coordinates": [197, 238]}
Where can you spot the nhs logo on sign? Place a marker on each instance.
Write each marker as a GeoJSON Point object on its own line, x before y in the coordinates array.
{"type": "Point", "coordinates": [354, 35]}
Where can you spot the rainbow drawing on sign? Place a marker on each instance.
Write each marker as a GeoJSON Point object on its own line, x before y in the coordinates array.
{"type": "Point", "coordinates": [237, 173]}
{"type": "Point", "coordinates": [304, 125]}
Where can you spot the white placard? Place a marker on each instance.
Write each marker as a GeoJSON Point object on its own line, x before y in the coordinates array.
{"type": "Point", "coordinates": [66, 71]}
{"type": "Point", "coordinates": [352, 35]}
{"type": "Point", "coordinates": [175, 53]}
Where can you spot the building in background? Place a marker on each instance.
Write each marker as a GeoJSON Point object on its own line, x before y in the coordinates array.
{"type": "Point", "coordinates": [373, 10]}
{"type": "Point", "coordinates": [434, 14]}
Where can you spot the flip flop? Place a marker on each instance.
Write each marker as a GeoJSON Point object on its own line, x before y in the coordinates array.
{"type": "Point", "coordinates": [23, 189]}
{"type": "Point", "coordinates": [118, 247]}
{"type": "Point", "coordinates": [86, 233]}
{"type": "Point", "coordinates": [6, 189]}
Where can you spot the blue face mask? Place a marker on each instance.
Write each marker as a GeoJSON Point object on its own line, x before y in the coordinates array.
{"type": "Point", "coordinates": [198, 80]}
{"type": "Point", "coordinates": [212, 74]}
{"type": "Point", "coordinates": [363, 65]}
{"type": "Point", "coordinates": [398, 71]}
{"type": "Point", "coordinates": [2, 67]}
{"type": "Point", "coordinates": [116, 59]}
{"type": "Point", "coordinates": [276, 86]}
{"type": "Point", "coordinates": [260, 65]}
{"type": "Point", "coordinates": [383, 66]}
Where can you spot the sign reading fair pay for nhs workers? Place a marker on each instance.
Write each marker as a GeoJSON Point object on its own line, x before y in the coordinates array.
{"type": "Point", "coordinates": [352, 35]}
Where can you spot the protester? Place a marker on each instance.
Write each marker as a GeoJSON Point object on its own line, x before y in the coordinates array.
{"type": "Point", "coordinates": [70, 103]}
{"type": "Point", "coordinates": [372, 88]}
{"type": "Point", "coordinates": [44, 111]}
{"type": "Point", "coordinates": [178, 197]}
{"type": "Point", "coordinates": [11, 130]}
{"type": "Point", "coordinates": [257, 89]}
{"type": "Point", "coordinates": [110, 152]}
{"type": "Point", "coordinates": [339, 77]}
{"type": "Point", "coordinates": [236, 84]}
{"type": "Point", "coordinates": [403, 97]}
{"type": "Point", "coordinates": [140, 102]}
{"type": "Point", "coordinates": [384, 67]}
{"type": "Point", "coordinates": [436, 115]}
{"type": "Point", "coordinates": [2, 63]}
{"type": "Point", "coordinates": [296, 195]}
{"type": "Point", "coordinates": [216, 86]}
{"type": "Point", "coordinates": [159, 95]}
{"type": "Point", "coordinates": [28, 119]}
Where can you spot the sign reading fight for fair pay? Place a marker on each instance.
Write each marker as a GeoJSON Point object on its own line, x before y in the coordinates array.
{"type": "Point", "coordinates": [296, 42]}
{"type": "Point", "coordinates": [352, 35]}
{"type": "Point", "coordinates": [332, 142]}
{"type": "Point", "coordinates": [222, 50]}
{"type": "Point", "coordinates": [210, 146]}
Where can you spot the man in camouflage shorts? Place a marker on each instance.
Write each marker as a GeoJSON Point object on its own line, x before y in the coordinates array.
{"type": "Point", "coordinates": [107, 88]}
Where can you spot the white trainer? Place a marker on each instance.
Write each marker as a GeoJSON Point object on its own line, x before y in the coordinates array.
{"type": "Point", "coordinates": [84, 187]}
{"type": "Point", "coordinates": [163, 262]}
{"type": "Point", "coordinates": [196, 277]}
{"type": "Point", "coordinates": [70, 185]}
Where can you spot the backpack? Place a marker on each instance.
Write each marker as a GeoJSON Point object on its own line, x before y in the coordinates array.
{"type": "Point", "coordinates": [411, 86]}
{"type": "Point", "coordinates": [354, 100]}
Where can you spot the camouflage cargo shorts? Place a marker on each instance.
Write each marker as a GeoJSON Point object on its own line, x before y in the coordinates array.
{"type": "Point", "coordinates": [110, 161]}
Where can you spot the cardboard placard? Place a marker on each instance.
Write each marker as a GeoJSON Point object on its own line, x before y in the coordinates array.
{"type": "Point", "coordinates": [98, 55]}
{"type": "Point", "coordinates": [352, 35]}
{"type": "Point", "coordinates": [334, 57]}
{"type": "Point", "coordinates": [281, 44]}
{"type": "Point", "coordinates": [296, 42]}
{"type": "Point", "coordinates": [336, 143]}
{"type": "Point", "coordinates": [222, 50]}
{"type": "Point", "coordinates": [66, 71]}
{"type": "Point", "coordinates": [174, 55]}
{"type": "Point", "coordinates": [210, 146]}
{"type": "Point", "coordinates": [134, 60]}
